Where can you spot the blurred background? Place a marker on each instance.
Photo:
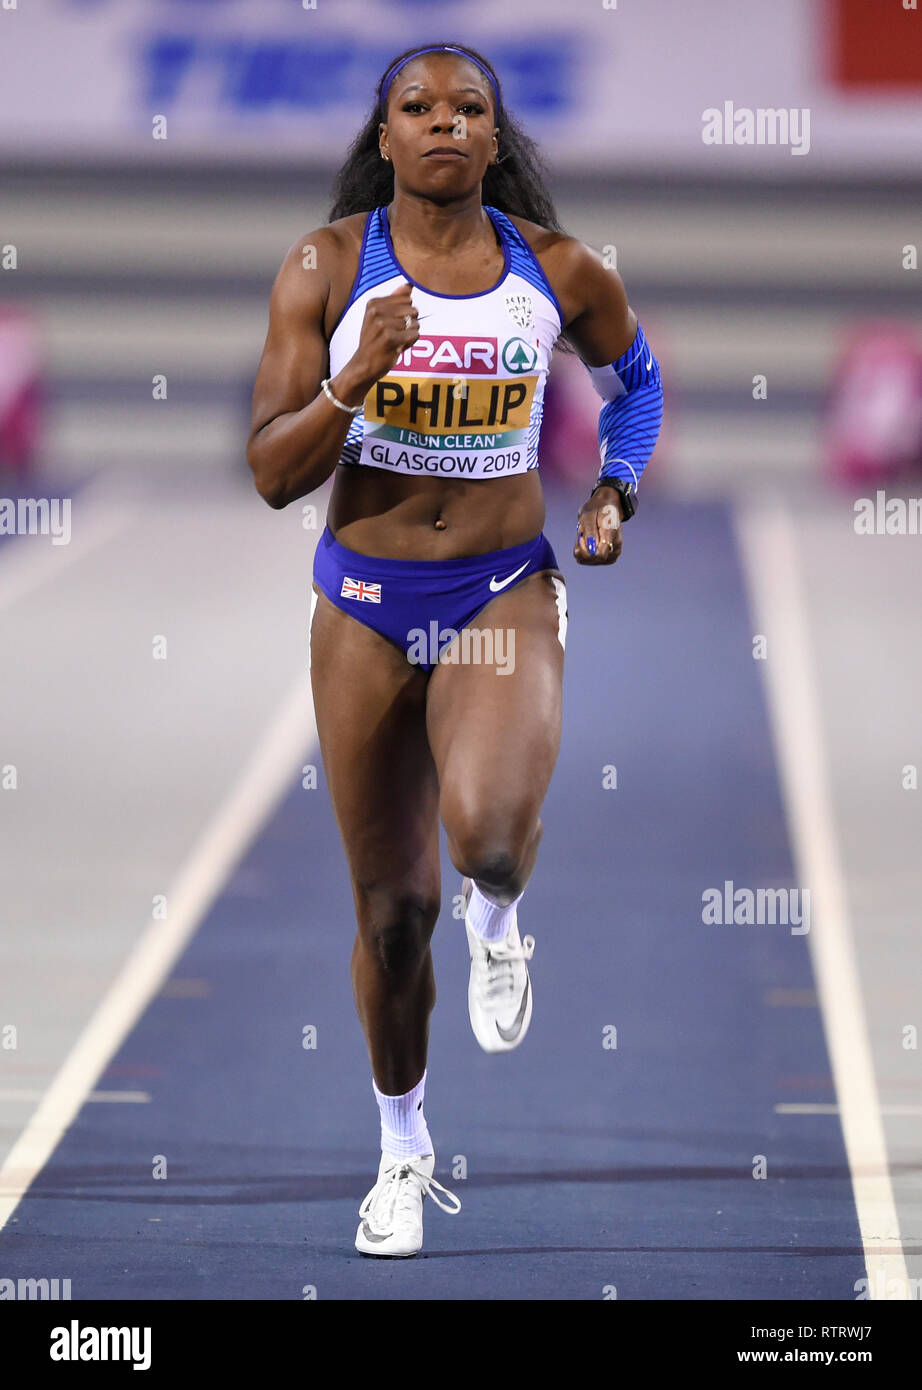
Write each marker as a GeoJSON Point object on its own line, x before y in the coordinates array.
{"type": "Point", "coordinates": [158, 158]}
{"type": "Point", "coordinates": [136, 252]}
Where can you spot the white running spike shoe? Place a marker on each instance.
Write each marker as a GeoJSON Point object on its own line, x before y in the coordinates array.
{"type": "Point", "coordinates": [392, 1213]}
{"type": "Point", "coordinates": [499, 995]}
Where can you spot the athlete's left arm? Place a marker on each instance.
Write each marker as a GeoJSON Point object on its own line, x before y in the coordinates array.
{"type": "Point", "coordinates": [603, 328]}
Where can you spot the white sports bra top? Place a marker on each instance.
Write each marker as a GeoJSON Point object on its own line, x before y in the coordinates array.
{"type": "Point", "coordinates": [466, 399]}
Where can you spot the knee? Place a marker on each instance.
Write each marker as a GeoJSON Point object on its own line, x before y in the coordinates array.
{"type": "Point", "coordinates": [495, 860]}
{"type": "Point", "coordinates": [395, 929]}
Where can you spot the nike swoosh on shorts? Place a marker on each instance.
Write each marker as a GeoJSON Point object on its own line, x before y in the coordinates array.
{"type": "Point", "coordinates": [495, 588]}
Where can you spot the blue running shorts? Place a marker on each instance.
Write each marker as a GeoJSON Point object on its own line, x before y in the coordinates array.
{"type": "Point", "coordinates": [402, 598]}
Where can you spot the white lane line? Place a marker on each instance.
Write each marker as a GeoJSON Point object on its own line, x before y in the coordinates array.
{"type": "Point", "coordinates": [768, 555]}
{"type": "Point", "coordinates": [30, 561]}
{"type": "Point", "coordinates": [268, 775]}
{"type": "Point", "coordinates": [808, 1108]}
{"type": "Point", "coordinates": [133, 1097]}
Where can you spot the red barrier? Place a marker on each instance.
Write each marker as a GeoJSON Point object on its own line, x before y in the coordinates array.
{"type": "Point", "coordinates": [20, 390]}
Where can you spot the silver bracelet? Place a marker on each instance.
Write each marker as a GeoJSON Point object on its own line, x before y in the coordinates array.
{"type": "Point", "coordinates": [349, 409]}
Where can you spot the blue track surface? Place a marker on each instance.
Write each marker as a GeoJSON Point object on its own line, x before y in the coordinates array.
{"type": "Point", "coordinates": [587, 1167]}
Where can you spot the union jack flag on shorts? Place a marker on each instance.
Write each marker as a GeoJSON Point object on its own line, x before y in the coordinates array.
{"type": "Point", "coordinates": [357, 588]}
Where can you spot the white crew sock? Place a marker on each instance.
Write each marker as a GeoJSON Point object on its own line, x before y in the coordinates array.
{"type": "Point", "coordinates": [487, 918]}
{"type": "Point", "coordinates": [404, 1132]}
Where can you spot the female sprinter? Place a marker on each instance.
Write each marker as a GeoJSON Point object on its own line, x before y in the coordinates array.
{"type": "Point", "coordinates": [407, 350]}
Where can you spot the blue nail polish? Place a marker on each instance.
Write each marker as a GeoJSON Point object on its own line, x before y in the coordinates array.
{"type": "Point", "coordinates": [590, 545]}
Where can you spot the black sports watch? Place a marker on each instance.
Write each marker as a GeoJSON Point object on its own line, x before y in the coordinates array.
{"type": "Point", "coordinates": [626, 491]}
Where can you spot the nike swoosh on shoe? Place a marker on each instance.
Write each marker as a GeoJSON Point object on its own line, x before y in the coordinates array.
{"type": "Point", "coordinates": [510, 1034]}
{"type": "Point", "coordinates": [369, 1234]}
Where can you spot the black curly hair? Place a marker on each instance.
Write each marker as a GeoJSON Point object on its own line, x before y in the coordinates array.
{"type": "Point", "coordinates": [515, 185]}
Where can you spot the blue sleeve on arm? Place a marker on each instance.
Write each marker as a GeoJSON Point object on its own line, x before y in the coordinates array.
{"type": "Point", "coordinates": [629, 423]}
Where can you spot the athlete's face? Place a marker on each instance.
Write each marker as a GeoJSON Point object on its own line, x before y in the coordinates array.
{"type": "Point", "coordinates": [440, 102]}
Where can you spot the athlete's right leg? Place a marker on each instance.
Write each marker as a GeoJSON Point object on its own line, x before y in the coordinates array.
{"type": "Point", "coordinates": [370, 708]}
{"type": "Point", "coordinates": [370, 705]}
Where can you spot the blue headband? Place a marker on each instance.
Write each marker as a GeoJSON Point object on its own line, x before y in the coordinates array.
{"type": "Point", "coordinates": [436, 48]}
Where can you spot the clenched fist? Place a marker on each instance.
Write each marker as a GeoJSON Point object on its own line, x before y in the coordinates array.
{"type": "Point", "coordinates": [598, 530]}
{"type": "Point", "coordinates": [391, 325]}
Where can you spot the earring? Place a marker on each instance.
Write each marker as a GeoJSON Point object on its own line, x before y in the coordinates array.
{"type": "Point", "coordinates": [385, 157]}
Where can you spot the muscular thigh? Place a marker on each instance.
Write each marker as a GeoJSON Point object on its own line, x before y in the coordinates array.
{"type": "Point", "coordinates": [370, 705]}
{"type": "Point", "coordinates": [495, 737]}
